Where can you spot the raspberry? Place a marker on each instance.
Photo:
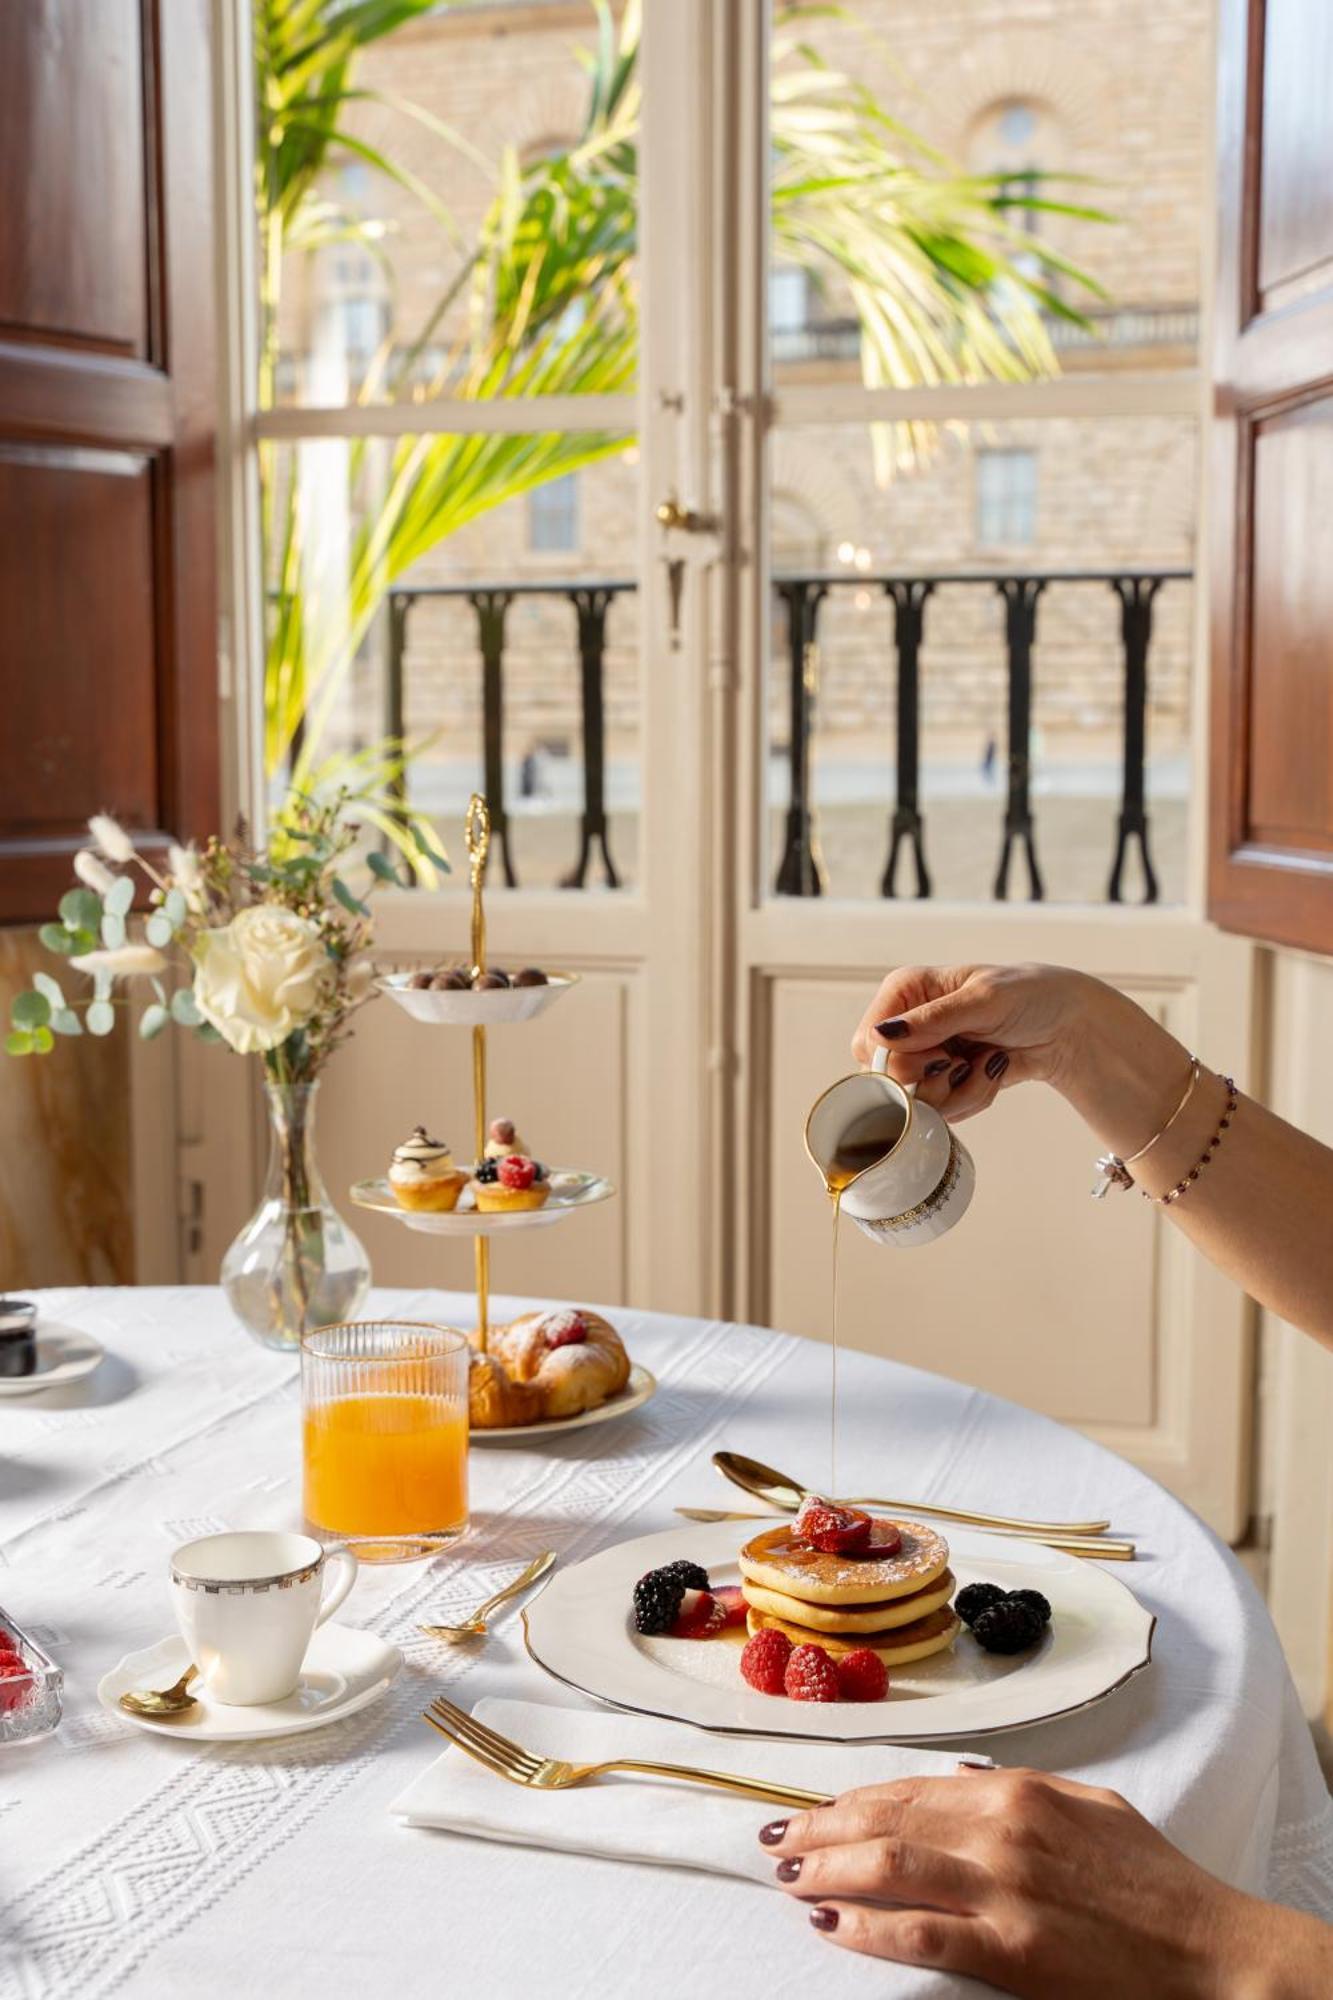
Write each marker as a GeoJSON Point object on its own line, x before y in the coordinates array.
{"type": "Point", "coordinates": [1007, 1627]}
{"type": "Point", "coordinates": [567, 1329]}
{"type": "Point", "coordinates": [811, 1676]}
{"type": "Point", "coordinates": [834, 1531]}
{"type": "Point", "coordinates": [517, 1172]}
{"type": "Point", "coordinates": [764, 1660]}
{"type": "Point", "coordinates": [862, 1676]}
{"type": "Point", "coordinates": [732, 1600]}
{"type": "Point", "coordinates": [700, 1616]}
{"type": "Point", "coordinates": [976, 1598]}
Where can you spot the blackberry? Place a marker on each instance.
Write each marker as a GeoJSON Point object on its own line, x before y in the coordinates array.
{"type": "Point", "coordinates": [657, 1601]}
{"type": "Point", "coordinates": [1007, 1627]}
{"type": "Point", "coordinates": [486, 1171]}
{"type": "Point", "coordinates": [976, 1598]}
{"type": "Point", "coordinates": [539, 1171]}
{"type": "Point", "coordinates": [693, 1575]}
{"type": "Point", "coordinates": [1035, 1603]}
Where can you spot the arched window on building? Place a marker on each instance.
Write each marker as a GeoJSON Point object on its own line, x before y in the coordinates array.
{"type": "Point", "coordinates": [1019, 140]}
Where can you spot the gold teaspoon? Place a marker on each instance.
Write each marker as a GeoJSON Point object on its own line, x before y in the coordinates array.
{"type": "Point", "coordinates": [766, 1483]}
{"type": "Point", "coordinates": [1098, 1548]}
{"type": "Point", "coordinates": [475, 1626]}
{"type": "Point", "coordinates": [160, 1703]}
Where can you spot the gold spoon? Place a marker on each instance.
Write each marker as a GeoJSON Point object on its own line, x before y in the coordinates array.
{"type": "Point", "coordinates": [160, 1702]}
{"type": "Point", "coordinates": [781, 1491]}
{"type": "Point", "coordinates": [1099, 1548]}
{"type": "Point", "coordinates": [476, 1624]}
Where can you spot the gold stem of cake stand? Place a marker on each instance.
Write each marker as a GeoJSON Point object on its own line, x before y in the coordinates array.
{"type": "Point", "coordinates": [478, 833]}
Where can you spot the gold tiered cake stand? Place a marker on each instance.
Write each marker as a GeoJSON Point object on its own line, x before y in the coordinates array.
{"type": "Point", "coordinates": [481, 1010]}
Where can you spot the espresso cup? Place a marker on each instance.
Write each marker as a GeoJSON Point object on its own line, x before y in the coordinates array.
{"type": "Point", "coordinates": [920, 1185]}
{"type": "Point", "coordinates": [247, 1604]}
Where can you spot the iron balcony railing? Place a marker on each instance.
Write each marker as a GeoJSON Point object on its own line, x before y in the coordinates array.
{"type": "Point", "coordinates": [799, 872]}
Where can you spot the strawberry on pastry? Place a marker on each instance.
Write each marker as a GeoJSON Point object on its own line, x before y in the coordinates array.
{"type": "Point", "coordinates": [811, 1676]}
{"type": "Point", "coordinates": [834, 1531]}
{"type": "Point", "coordinates": [732, 1600]}
{"type": "Point", "coordinates": [699, 1617]}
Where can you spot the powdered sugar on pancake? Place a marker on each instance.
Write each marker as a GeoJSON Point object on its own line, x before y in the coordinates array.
{"type": "Point", "coordinates": [781, 1561]}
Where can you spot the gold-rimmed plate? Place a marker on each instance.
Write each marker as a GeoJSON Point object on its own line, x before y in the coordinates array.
{"type": "Point", "coordinates": [636, 1392]}
{"type": "Point", "coordinates": [571, 1190]}
{"type": "Point", "coordinates": [493, 1007]}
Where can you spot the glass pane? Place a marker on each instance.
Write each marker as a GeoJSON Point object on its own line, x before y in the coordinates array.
{"type": "Point", "coordinates": [395, 568]}
{"type": "Point", "coordinates": [938, 213]}
{"type": "Point", "coordinates": [1077, 503]}
{"type": "Point", "coordinates": [452, 210]}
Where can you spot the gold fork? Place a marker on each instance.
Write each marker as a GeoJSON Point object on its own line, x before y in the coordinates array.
{"type": "Point", "coordinates": [547, 1774]}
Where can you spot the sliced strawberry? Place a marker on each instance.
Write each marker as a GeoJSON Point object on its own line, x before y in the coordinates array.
{"type": "Point", "coordinates": [834, 1531]}
{"type": "Point", "coordinates": [699, 1617]}
{"type": "Point", "coordinates": [732, 1600]}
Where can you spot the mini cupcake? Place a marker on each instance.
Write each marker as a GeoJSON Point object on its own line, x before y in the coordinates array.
{"type": "Point", "coordinates": [504, 1186]}
{"type": "Point", "coordinates": [503, 1141]}
{"type": "Point", "coordinates": [423, 1175]}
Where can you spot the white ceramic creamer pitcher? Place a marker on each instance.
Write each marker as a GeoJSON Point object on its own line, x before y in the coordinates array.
{"type": "Point", "coordinates": [919, 1185]}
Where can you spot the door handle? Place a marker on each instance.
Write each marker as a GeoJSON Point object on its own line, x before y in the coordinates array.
{"type": "Point", "coordinates": [671, 514]}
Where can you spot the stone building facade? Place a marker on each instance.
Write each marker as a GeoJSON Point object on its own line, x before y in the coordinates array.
{"type": "Point", "coordinates": [1111, 91]}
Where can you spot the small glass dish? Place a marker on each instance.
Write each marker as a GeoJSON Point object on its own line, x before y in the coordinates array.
{"type": "Point", "coordinates": [30, 1702]}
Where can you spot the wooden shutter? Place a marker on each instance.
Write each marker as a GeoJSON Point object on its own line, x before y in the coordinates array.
{"type": "Point", "coordinates": [1271, 861]}
{"type": "Point", "coordinates": [108, 621]}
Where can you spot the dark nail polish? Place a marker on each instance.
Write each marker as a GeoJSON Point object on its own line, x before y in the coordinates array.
{"type": "Point", "coordinates": [773, 1832]}
{"type": "Point", "coordinates": [959, 1075]}
{"type": "Point", "coordinates": [823, 1918]}
{"type": "Point", "coordinates": [893, 1031]}
{"type": "Point", "coordinates": [789, 1869]}
{"type": "Point", "coordinates": [938, 1067]}
{"type": "Point", "coordinates": [997, 1064]}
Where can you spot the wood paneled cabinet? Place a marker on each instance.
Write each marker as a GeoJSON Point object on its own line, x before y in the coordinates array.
{"type": "Point", "coordinates": [108, 616]}
{"type": "Point", "coordinates": [1271, 861]}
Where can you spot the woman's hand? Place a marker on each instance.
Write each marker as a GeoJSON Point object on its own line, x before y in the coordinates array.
{"type": "Point", "coordinates": [1044, 1888]}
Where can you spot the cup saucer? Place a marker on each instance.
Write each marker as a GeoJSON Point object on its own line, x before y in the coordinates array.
{"type": "Point", "coordinates": [345, 1670]}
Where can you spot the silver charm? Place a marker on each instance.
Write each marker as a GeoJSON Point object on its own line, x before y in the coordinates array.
{"type": "Point", "coordinates": [1114, 1173]}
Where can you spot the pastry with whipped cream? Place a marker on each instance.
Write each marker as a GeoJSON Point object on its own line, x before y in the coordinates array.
{"type": "Point", "coordinates": [503, 1141]}
{"type": "Point", "coordinates": [423, 1176]}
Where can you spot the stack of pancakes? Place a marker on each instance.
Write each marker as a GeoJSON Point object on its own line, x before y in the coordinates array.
{"type": "Point", "coordinates": [897, 1604]}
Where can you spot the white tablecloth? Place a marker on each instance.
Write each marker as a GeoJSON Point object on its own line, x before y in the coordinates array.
{"type": "Point", "coordinates": [137, 1867]}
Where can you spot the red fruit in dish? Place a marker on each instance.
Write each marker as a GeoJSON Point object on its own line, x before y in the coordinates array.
{"type": "Point", "coordinates": [764, 1660]}
{"type": "Point", "coordinates": [11, 1663]}
{"type": "Point", "coordinates": [565, 1329]}
{"type": "Point", "coordinates": [517, 1171]}
{"type": "Point", "coordinates": [811, 1676]}
{"type": "Point", "coordinates": [834, 1531]}
{"type": "Point", "coordinates": [502, 1131]}
{"type": "Point", "coordinates": [862, 1676]}
{"type": "Point", "coordinates": [700, 1615]}
{"type": "Point", "coordinates": [732, 1601]}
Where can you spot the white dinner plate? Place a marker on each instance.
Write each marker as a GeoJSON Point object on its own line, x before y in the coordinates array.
{"type": "Point", "coordinates": [584, 1191]}
{"type": "Point", "coordinates": [345, 1670]}
{"type": "Point", "coordinates": [64, 1355]}
{"type": "Point", "coordinates": [580, 1630]}
{"type": "Point", "coordinates": [494, 1007]}
{"type": "Point", "coordinates": [633, 1396]}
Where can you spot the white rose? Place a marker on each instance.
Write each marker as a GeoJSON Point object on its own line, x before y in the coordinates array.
{"type": "Point", "coordinates": [261, 977]}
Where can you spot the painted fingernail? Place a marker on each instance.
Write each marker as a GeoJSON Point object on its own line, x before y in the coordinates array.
{"type": "Point", "coordinates": [789, 1869]}
{"type": "Point", "coordinates": [773, 1832]}
{"type": "Point", "coordinates": [960, 1075]}
{"type": "Point", "coordinates": [938, 1067]}
{"type": "Point", "coordinates": [997, 1064]}
{"type": "Point", "coordinates": [823, 1918]}
{"type": "Point", "coordinates": [893, 1031]}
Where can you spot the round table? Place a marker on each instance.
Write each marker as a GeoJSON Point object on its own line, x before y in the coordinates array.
{"type": "Point", "coordinates": [144, 1868]}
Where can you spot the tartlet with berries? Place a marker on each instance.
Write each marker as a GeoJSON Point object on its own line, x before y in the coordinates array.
{"type": "Point", "coordinates": [509, 1185]}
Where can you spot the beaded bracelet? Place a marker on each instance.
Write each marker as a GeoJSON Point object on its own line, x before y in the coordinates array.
{"type": "Point", "coordinates": [1183, 1187]}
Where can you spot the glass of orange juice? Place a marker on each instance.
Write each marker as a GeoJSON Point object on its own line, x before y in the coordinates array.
{"type": "Point", "coordinates": [384, 1413]}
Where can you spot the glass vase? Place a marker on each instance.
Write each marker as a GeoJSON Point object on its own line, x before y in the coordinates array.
{"type": "Point", "coordinates": [296, 1264]}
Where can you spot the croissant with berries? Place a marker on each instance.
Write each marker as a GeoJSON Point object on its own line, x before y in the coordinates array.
{"type": "Point", "coordinates": [571, 1356]}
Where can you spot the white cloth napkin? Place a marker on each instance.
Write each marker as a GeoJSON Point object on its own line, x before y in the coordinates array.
{"type": "Point", "coordinates": [630, 1818]}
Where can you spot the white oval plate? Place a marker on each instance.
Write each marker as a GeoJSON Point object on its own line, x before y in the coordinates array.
{"type": "Point", "coordinates": [493, 1008]}
{"type": "Point", "coordinates": [580, 1631]}
{"type": "Point", "coordinates": [633, 1396]}
{"type": "Point", "coordinates": [63, 1355]}
{"type": "Point", "coordinates": [345, 1670]}
{"type": "Point", "coordinates": [465, 1220]}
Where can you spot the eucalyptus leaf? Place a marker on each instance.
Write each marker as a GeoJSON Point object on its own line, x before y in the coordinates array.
{"type": "Point", "coordinates": [113, 931]}
{"type": "Point", "coordinates": [349, 901]}
{"type": "Point", "coordinates": [185, 1008]}
{"type": "Point", "coordinates": [100, 1018]}
{"type": "Point", "coordinates": [66, 1022]}
{"type": "Point", "coordinates": [18, 1042]}
{"type": "Point", "coordinates": [175, 907]}
{"type": "Point", "coordinates": [381, 866]}
{"type": "Point", "coordinates": [43, 1041]}
{"type": "Point", "coordinates": [30, 1010]}
{"type": "Point", "coordinates": [119, 898]}
{"type": "Point", "coordinates": [80, 910]}
{"type": "Point", "coordinates": [50, 987]}
{"type": "Point", "coordinates": [103, 984]}
{"type": "Point", "coordinates": [78, 942]}
{"type": "Point", "coordinates": [207, 1032]}
{"type": "Point", "coordinates": [56, 938]}
{"type": "Point", "coordinates": [152, 1021]}
{"type": "Point", "coordinates": [159, 929]}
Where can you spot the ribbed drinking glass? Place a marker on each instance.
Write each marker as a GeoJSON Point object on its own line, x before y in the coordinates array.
{"type": "Point", "coordinates": [384, 1411]}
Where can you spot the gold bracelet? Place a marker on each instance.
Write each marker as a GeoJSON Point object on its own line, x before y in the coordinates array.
{"type": "Point", "coordinates": [1114, 1171]}
{"type": "Point", "coordinates": [1183, 1187]}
